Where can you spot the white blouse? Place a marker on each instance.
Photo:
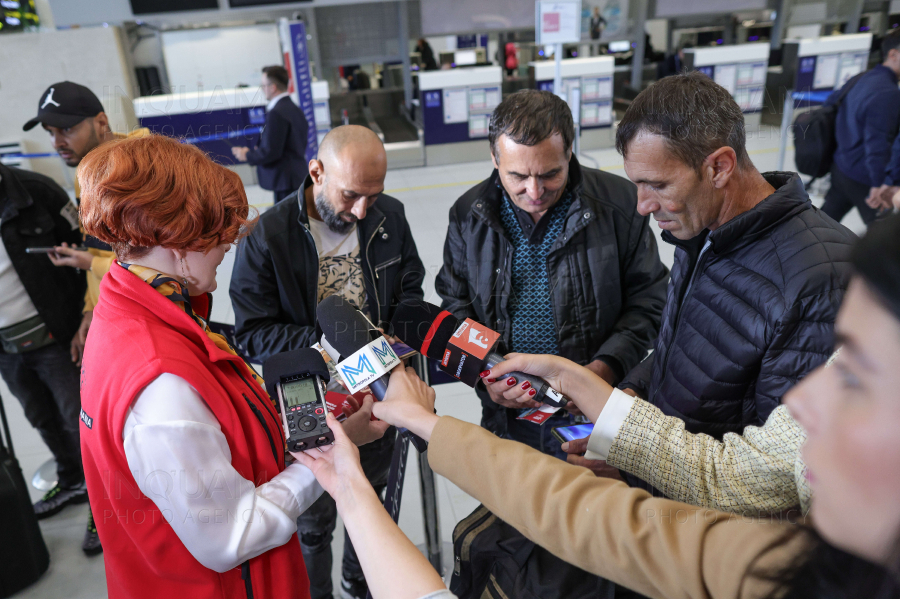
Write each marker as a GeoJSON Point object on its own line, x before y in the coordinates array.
{"type": "Point", "coordinates": [181, 461]}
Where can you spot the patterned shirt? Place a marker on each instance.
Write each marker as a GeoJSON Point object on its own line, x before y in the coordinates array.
{"type": "Point", "coordinates": [340, 266]}
{"type": "Point", "coordinates": [533, 328]}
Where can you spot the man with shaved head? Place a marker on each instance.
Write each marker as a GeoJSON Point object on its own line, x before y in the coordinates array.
{"type": "Point", "coordinates": [337, 235]}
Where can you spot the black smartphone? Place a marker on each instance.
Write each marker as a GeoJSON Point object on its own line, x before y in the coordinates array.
{"type": "Point", "coordinates": [49, 250]}
{"type": "Point", "coordinates": [570, 433]}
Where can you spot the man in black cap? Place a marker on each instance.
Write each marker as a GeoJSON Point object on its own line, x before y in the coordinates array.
{"type": "Point", "coordinates": [77, 123]}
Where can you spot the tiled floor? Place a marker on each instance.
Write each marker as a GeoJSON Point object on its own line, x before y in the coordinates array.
{"type": "Point", "coordinates": [427, 194]}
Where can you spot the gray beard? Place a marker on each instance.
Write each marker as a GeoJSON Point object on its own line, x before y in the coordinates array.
{"type": "Point", "coordinates": [331, 218]}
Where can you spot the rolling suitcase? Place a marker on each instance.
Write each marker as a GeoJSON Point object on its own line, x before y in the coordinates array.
{"type": "Point", "coordinates": [22, 550]}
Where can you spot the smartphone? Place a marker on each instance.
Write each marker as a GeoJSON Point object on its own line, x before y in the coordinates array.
{"type": "Point", "coordinates": [403, 351]}
{"type": "Point", "coordinates": [570, 433]}
{"type": "Point", "coordinates": [50, 250]}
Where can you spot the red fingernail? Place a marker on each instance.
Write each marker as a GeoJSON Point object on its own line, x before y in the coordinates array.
{"type": "Point", "coordinates": [525, 385]}
{"type": "Point", "coordinates": [510, 381]}
{"type": "Point", "coordinates": [533, 392]}
{"type": "Point", "coordinates": [485, 373]}
{"type": "Point", "coordinates": [492, 380]}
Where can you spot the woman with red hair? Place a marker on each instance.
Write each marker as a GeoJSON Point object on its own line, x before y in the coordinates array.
{"type": "Point", "coordinates": [183, 451]}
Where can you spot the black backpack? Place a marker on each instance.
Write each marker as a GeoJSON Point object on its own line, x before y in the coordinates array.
{"type": "Point", "coordinates": [22, 550]}
{"type": "Point", "coordinates": [814, 135]}
{"type": "Point", "coordinates": [492, 560]}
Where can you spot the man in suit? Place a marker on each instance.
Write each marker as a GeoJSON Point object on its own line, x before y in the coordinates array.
{"type": "Point", "coordinates": [280, 157]}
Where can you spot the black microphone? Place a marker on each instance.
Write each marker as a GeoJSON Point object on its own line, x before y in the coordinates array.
{"type": "Point", "coordinates": [348, 331]}
{"type": "Point", "coordinates": [463, 349]}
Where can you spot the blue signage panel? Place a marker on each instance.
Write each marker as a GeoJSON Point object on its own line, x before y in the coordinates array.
{"type": "Point", "coordinates": [436, 131]}
{"type": "Point", "coordinates": [303, 83]}
{"type": "Point", "coordinates": [224, 128]}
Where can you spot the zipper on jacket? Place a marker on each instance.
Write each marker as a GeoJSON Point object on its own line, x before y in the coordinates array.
{"type": "Point", "coordinates": [687, 294]}
{"type": "Point", "coordinates": [372, 273]}
{"type": "Point", "coordinates": [245, 576]}
{"type": "Point", "coordinates": [390, 262]}
{"type": "Point", "coordinates": [262, 421]}
{"type": "Point", "coordinates": [315, 279]}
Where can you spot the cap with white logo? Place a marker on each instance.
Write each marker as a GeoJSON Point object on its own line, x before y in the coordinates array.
{"type": "Point", "coordinates": [65, 104]}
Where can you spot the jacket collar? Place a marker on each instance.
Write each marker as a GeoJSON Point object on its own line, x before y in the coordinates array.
{"type": "Point", "coordinates": [889, 72]}
{"type": "Point", "coordinates": [789, 199]}
{"type": "Point", "coordinates": [487, 205]}
{"type": "Point", "coordinates": [373, 218]}
{"type": "Point", "coordinates": [126, 293]}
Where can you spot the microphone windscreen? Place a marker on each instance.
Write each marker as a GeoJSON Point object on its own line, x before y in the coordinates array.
{"type": "Point", "coordinates": [424, 327]}
{"type": "Point", "coordinates": [345, 327]}
{"type": "Point", "coordinates": [289, 363]}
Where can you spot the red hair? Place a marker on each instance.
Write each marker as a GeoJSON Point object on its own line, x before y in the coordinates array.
{"type": "Point", "coordinates": [144, 192]}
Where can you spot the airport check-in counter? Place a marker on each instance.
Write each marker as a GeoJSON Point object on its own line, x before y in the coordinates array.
{"type": "Point", "coordinates": [321, 108]}
{"type": "Point", "coordinates": [740, 69]}
{"type": "Point", "coordinates": [813, 68]}
{"type": "Point", "coordinates": [824, 63]}
{"type": "Point", "coordinates": [214, 121]}
{"type": "Point", "coordinates": [594, 78]}
{"type": "Point", "coordinates": [456, 107]}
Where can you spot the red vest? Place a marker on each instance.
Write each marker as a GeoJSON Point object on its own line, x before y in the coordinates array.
{"type": "Point", "coordinates": [136, 335]}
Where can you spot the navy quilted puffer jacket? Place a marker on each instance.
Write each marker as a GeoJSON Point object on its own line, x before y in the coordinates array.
{"type": "Point", "coordinates": [754, 315]}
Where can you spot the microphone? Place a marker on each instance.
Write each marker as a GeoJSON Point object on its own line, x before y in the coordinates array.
{"type": "Point", "coordinates": [463, 349]}
{"type": "Point", "coordinates": [365, 356]}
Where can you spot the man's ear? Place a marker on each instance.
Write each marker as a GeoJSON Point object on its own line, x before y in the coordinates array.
{"type": "Point", "coordinates": [721, 164]}
{"type": "Point", "coordinates": [101, 123]}
{"type": "Point", "coordinates": [316, 171]}
{"type": "Point", "coordinates": [495, 161]}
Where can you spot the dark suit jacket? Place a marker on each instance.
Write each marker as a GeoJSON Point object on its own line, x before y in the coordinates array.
{"type": "Point", "coordinates": [280, 157]}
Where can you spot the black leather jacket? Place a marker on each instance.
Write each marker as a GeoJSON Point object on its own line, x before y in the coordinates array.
{"type": "Point", "coordinates": [276, 273]}
{"type": "Point", "coordinates": [755, 316]}
{"type": "Point", "coordinates": [36, 212]}
{"type": "Point", "coordinates": [608, 283]}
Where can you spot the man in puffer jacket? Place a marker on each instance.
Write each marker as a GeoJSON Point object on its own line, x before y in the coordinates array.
{"type": "Point", "coordinates": [759, 272]}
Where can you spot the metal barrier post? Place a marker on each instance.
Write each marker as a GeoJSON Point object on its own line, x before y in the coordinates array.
{"type": "Point", "coordinates": [786, 119]}
{"type": "Point", "coordinates": [427, 487]}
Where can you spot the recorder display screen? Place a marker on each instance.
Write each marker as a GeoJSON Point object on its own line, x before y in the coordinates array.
{"type": "Point", "coordinates": [300, 392]}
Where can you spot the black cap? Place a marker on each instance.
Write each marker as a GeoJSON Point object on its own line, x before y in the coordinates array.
{"type": "Point", "coordinates": [65, 104]}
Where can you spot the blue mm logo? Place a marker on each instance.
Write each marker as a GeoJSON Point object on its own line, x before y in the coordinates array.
{"type": "Point", "coordinates": [363, 366]}
{"type": "Point", "coordinates": [384, 353]}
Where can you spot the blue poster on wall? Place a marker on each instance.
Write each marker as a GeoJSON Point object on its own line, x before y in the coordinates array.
{"type": "Point", "coordinates": [300, 74]}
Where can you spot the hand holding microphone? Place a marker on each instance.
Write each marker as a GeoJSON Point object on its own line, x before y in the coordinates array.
{"type": "Point", "coordinates": [581, 385]}
{"type": "Point", "coordinates": [464, 350]}
{"type": "Point", "coordinates": [364, 356]}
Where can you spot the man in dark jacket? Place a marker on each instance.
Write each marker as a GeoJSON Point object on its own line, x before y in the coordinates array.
{"type": "Point", "coordinates": [280, 157]}
{"type": "Point", "coordinates": [759, 272]}
{"type": "Point", "coordinates": [551, 255]}
{"type": "Point", "coordinates": [866, 125]}
{"type": "Point", "coordinates": [340, 235]}
{"type": "Point", "coordinates": [40, 312]}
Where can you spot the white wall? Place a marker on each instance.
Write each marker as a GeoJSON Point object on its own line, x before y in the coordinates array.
{"type": "Point", "coordinates": [31, 62]}
{"type": "Point", "coordinates": [659, 33]}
